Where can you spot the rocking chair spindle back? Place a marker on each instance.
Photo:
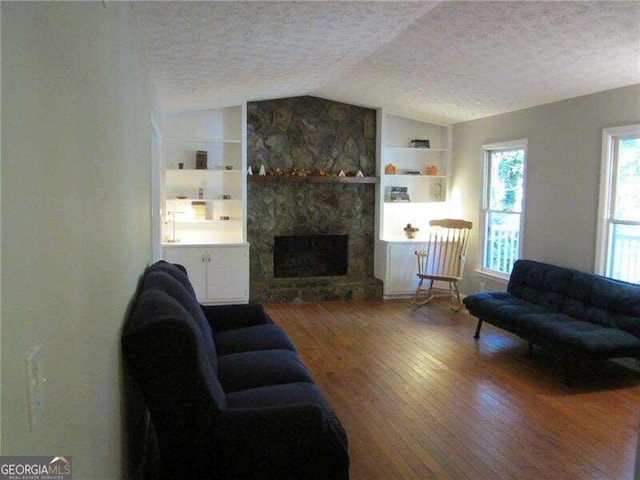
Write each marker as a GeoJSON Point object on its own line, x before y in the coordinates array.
{"type": "Point", "coordinates": [442, 260]}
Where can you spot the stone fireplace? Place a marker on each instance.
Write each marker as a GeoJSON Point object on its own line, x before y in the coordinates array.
{"type": "Point", "coordinates": [311, 134]}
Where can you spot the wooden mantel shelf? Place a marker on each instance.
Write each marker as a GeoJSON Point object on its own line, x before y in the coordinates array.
{"type": "Point", "coordinates": [308, 179]}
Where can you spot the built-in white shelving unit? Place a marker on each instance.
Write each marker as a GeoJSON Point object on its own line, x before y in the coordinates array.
{"type": "Point", "coordinates": [424, 174]}
{"type": "Point", "coordinates": [204, 214]}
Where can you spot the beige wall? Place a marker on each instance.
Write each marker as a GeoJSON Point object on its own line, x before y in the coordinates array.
{"type": "Point", "coordinates": [563, 168]}
{"type": "Point", "coordinates": [76, 107]}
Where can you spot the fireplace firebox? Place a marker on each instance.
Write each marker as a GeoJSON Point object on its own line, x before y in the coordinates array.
{"type": "Point", "coordinates": [310, 256]}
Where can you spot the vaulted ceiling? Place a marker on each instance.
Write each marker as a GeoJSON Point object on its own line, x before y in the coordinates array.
{"type": "Point", "coordinates": [447, 61]}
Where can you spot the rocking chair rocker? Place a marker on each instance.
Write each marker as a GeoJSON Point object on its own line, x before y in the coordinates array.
{"type": "Point", "coordinates": [442, 260]}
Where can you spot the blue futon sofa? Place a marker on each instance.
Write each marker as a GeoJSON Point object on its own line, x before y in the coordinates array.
{"type": "Point", "coordinates": [228, 395]}
{"type": "Point", "coordinates": [573, 313]}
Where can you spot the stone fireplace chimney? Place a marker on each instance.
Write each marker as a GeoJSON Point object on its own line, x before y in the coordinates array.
{"type": "Point", "coordinates": [314, 135]}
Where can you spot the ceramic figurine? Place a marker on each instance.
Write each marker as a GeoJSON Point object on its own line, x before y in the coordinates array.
{"type": "Point", "coordinates": [411, 231]}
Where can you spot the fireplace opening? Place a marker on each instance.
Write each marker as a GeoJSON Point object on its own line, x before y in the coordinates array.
{"type": "Point", "coordinates": [310, 255]}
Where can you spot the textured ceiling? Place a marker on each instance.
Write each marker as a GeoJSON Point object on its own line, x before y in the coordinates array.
{"type": "Point", "coordinates": [447, 61]}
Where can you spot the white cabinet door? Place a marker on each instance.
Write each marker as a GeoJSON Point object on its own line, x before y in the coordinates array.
{"type": "Point", "coordinates": [192, 258]}
{"type": "Point", "coordinates": [219, 274]}
{"type": "Point", "coordinates": [228, 274]}
{"type": "Point", "coordinates": [402, 268]}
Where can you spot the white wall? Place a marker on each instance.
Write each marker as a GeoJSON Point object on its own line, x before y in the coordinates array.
{"type": "Point", "coordinates": [563, 168]}
{"type": "Point", "coordinates": [76, 106]}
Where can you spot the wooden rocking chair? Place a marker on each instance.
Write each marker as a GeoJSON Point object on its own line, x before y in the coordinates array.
{"type": "Point", "coordinates": [442, 260]}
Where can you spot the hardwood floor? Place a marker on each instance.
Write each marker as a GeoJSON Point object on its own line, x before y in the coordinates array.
{"type": "Point", "coordinates": [421, 399]}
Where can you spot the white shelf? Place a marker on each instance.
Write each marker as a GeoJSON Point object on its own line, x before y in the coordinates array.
{"type": "Point", "coordinates": [416, 150]}
{"type": "Point", "coordinates": [421, 202]}
{"type": "Point", "coordinates": [406, 159]}
{"type": "Point", "coordinates": [404, 239]}
{"type": "Point", "coordinates": [211, 141]}
{"type": "Point", "coordinates": [219, 243]}
{"type": "Point", "coordinates": [406, 175]}
{"type": "Point", "coordinates": [204, 171]}
{"type": "Point", "coordinates": [186, 182]}
{"type": "Point", "coordinates": [203, 222]}
{"type": "Point", "coordinates": [176, 199]}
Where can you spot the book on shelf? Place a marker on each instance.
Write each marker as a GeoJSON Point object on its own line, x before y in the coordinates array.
{"type": "Point", "coordinates": [397, 194]}
{"type": "Point", "coordinates": [420, 143]}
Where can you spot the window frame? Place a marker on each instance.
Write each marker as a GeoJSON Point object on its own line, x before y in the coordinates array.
{"type": "Point", "coordinates": [485, 203]}
{"type": "Point", "coordinates": [608, 173]}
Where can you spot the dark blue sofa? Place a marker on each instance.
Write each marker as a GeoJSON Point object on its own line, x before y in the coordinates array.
{"type": "Point", "coordinates": [228, 395]}
{"type": "Point", "coordinates": [576, 314]}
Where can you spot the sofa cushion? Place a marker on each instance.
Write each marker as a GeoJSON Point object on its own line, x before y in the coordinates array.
{"type": "Point", "coordinates": [178, 272]}
{"type": "Point", "coordinates": [169, 354]}
{"type": "Point", "coordinates": [604, 301]}
{"type": "Point", "coordinates": [241, 371]}
{"type": "Point", "coordinates": [285, 395]}
{"type": "Point", "coordinates": [327, 448]}
{"type": "Point", "coordinates": [574, 334]}
{"type": "Point", "coordinates": [230, 317]}
{"type": "Point", "coordinates": [258, 337]}
{"type": "Point", "coordinates": [500, 306]}
{"type": "Point", "coordinates": [540, 283]}
{"type": "Point", "coordinates": [288, 394]}
{"type": "Point", "coordinates": [164, 282]}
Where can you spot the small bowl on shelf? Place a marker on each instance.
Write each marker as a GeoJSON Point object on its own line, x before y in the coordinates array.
{"type": "Point", "coordinates": [228, 167]}
{"type": "Point", "coordinates": [181, 197]}
{"type": "Point", "coordinates": [224, 217]}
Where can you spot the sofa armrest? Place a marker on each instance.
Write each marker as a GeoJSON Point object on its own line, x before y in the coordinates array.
{"type": "Point", "coordinates": [280, 442]}
{"type": "Point", "coordinates": [229, 317]}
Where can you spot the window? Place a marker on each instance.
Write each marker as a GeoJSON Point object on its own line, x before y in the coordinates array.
{"type": "Point", "coordinates": [618, 248]}
{"type": "Point", "coordinates": [503, 201]}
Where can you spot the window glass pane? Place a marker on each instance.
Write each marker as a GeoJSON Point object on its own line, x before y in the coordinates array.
{"type": "Point", "coordinates": [627, 189]}
{"type": "Point", "coordinates": [506, 180]}
{"type": "Point", "coordinates": [502, 241]}
{"type": "Point", "coordinates": [624, 259]}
